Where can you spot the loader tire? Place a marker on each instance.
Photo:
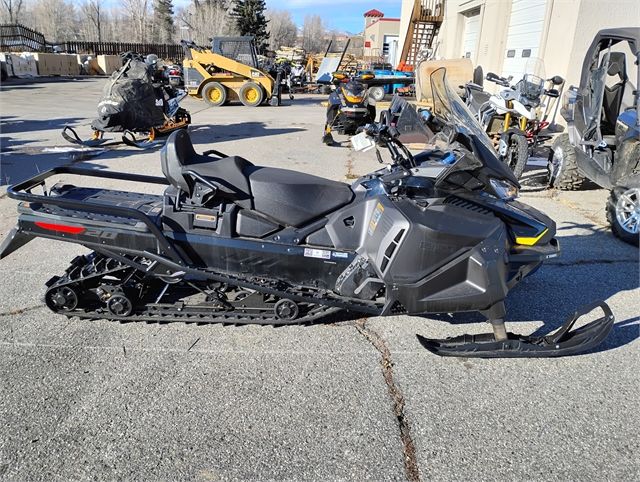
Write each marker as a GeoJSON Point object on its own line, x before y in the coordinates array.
{"type": "Point", "coordinates": [214, 94]}
{"type": "Point", "coordinates": [251, 94]}
{"type": "Point", "coordinates": [563, 167]}
{"type": "Point", "coordinates": [622, 210]}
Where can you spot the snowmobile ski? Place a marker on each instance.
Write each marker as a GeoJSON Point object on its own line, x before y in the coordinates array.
{"type": "Point", "coordinates": [96, 140]}
{"type": "Point", "coordinates": [563, 342]}
{"type": "Point", "coordinates": [150, 142]}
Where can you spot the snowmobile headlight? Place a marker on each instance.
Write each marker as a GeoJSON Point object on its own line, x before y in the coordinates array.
{"type": "Point", "coordinates": [504, 189]}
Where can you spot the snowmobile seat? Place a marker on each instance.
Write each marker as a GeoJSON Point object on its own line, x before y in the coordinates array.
{"type": "Point", "coordinates": [179, 159]}
{"type": "Point", "coordinates": [293, 198]}
{"type": "Point", "coordinates": [290, 198]}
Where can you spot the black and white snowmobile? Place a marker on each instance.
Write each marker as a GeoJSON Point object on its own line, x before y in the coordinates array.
{"type": "Point", "coordinates": [232, 242]}
{"type": "Point", "coordinates": [136, 99]}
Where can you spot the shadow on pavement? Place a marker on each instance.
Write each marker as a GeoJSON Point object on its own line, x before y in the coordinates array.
{"type": "Point", "coordinates": [208, 133]}
{"type": "Point", "coordinates": [12, 124]}
{"type": "Point", "coordinates": [36, 82]}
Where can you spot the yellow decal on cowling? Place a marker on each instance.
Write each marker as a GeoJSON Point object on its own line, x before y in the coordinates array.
{"type": "Point", "coordinates": [528, 241]}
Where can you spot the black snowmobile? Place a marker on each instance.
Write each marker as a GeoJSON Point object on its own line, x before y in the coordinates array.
{"type": "Point", "coordinates": [232, 242]}
{"type": "Point", "coordinates": [136, 99]}
{"type": "Point", "coordinates": [349, 106]}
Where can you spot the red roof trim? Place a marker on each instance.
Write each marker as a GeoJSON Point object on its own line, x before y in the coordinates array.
{"type": "Point", "coordinates": [374, 13]}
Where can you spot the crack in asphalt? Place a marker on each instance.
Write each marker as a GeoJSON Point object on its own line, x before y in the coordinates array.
{"type": "Point", "coordinates": [17, 311]}
{"type": "Point", "coordinates": [408, 446]}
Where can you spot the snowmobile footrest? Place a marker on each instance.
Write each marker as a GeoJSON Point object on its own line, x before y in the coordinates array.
{"type": "Point", "coordinates": [564, 341]}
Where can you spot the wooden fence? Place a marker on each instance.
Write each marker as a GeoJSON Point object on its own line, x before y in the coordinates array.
{"type": "Point", "coordinates": [164, 51]}
{"type": "Point", "coordinates": [18, 38]}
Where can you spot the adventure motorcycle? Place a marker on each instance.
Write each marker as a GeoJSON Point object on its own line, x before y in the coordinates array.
{"type": "Point", "coordinates": [296, 79]}
{"type": "Point", "coordinates": [349, 107]}
{"type": "Point", "coordinates": [231, 242]}
{"type": "Point", "coordinates": [137, 98]}
{"type": "Point", "coordinates": [514, 118]}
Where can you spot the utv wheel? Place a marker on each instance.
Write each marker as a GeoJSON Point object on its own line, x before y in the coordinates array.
{"type": "Point", "coordinates": [251, 94]}
{"type": "Point", "coordinates": [563, 168]}
{"type": "Point", "coordinates": [214, 94]}
{"type": "Point", "coordinates": [376, 93]}
{"type": "Point", "coordinates": [623, 213]}
{"type": "Point", "coordinates": [61, 299]}
{"type": "Point", "coordinates": [517, 154]}
{"type": "Point", "coordinates": [286, 309]}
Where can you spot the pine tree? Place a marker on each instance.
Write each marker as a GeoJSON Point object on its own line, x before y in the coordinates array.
{"type": "Point", "coordinates": [163, 26]}
{"type": "Point", "coordinates": [250, 20]}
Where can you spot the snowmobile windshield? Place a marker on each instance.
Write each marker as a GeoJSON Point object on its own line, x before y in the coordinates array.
{"type": "Point", "coordinates": [449, 109]}
{"type": "Point", "coordinates": [353, 89]}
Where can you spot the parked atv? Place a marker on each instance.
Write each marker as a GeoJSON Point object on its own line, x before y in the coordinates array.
{"type": "Point", "coordinates": [235, 243]}
{"type": "Point", "coordinates": [349, 107]}
{"type": "Point", "coordinates": [603, 139]}
{"type": "Point", "coordinates": [137, 98]}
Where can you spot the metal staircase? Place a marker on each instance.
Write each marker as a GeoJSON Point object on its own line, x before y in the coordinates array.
{"type": "Point", "coordinates": [426, 19]}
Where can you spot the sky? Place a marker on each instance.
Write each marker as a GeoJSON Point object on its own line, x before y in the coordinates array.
{"type": "Point", "coordinates": [343, 15]}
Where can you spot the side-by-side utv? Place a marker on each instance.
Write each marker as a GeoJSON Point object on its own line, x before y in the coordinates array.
{"type": "Point", "coordinates": [603, 139]}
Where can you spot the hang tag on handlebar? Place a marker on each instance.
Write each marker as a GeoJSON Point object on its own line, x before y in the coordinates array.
{"type": "Point", "coordinates": [362, 142]}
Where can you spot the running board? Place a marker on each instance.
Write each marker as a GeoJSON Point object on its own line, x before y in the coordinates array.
{"type": "Point", "coordinates": [562, 342]}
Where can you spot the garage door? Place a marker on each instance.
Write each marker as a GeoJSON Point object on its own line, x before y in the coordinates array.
{"type": "Point", "coordinates": [471, 33]}
{"type": "Point", "coordinates": [523, 38]}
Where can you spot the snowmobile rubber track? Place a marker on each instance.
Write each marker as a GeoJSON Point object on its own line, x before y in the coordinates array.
{"type": "Point", "coordinates": [90, 270]}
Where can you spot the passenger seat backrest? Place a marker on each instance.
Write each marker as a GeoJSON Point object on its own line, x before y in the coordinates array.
{"type": "Point", "coordinates": [175, 152]}
{"type": "Point", "coordinates": [612, 99]}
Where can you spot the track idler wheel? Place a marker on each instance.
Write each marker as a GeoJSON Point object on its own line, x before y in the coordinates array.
{"type": "Point", "coordinates": [286, 309]}
{"type": "Point", "coordinates": [119, 305]}
{"type": "Point", "coordinates": [61, 299]}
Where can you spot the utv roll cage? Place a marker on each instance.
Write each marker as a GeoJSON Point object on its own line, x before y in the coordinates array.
{"type": "Point", "coordinates": [592, 80]}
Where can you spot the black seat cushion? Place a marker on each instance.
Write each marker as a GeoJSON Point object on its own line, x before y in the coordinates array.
{"type": "Point", "coordinates": [293, 198]}
{"type": "Point", "coordinates": [179, 157]}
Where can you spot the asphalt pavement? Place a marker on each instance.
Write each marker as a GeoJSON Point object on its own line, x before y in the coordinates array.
{"type": "Point", "coordinates": [345, 400]}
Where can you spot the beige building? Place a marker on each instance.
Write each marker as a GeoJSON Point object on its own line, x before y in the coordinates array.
{"type": "Point", "coordinates": [502, 35]}
{"type": "Point", "coordinates": [381, 37]}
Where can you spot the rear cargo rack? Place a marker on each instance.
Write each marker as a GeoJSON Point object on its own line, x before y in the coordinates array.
{"type": "Point", "coordinates": [23, 192]}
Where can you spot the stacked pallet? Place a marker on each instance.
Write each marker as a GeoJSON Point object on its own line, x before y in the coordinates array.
{"type": "Point", "coordinates": [292, 54]}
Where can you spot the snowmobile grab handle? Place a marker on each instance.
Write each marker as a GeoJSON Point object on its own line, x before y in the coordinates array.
{"type": "Point", "coordinates": [22, 192]}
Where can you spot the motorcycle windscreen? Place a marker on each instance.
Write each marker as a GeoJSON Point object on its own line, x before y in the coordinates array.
{"type": "Point", "coordinates": [449, 109]}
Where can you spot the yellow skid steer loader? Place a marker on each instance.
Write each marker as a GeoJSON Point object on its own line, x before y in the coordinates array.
{"type": "Point", "coordinates": [228, 71]}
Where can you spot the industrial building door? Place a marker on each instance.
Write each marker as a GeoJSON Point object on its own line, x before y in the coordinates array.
{"type": "Point", "coordinates": [471, 34]}
{"type": "Point", "coordinates": [525, 33]}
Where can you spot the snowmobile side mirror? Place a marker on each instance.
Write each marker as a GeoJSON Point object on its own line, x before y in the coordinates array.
{"type": "Point", "coordinates": [553, 93]}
